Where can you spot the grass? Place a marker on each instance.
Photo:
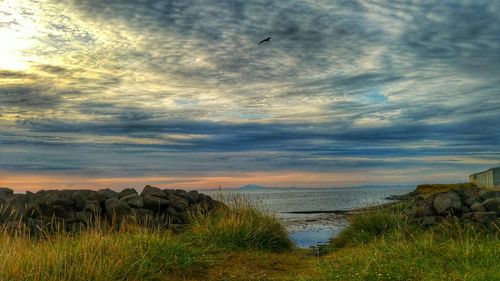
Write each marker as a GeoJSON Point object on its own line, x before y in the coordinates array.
{"type": "Point", "coordinates": [427, 189]}
{"type": "Point", "coordinates": [384, 245]}
{"type": "Point", "coordinates": [241, 242]}
{"type": "Point", "coordinates": [240, 225]}
{"type": "Point", "coordinates": [129, 254]}
{"type": "Point", "coordinates": [132, 252]}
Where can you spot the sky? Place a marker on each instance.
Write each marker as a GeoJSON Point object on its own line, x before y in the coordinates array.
{"type": "Point", "coordinates": [178, 93]}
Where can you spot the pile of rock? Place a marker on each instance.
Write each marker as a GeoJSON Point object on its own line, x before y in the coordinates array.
{"type": "Point", "coordinates": [474, 204]}
{"type": "Point", "coordinates": [74, 209]}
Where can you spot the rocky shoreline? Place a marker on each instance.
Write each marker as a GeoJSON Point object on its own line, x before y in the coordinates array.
{"type": "Point", "coordinates": [49, 210]}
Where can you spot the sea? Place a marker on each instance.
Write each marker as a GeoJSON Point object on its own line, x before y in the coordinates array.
{"type": "Point", "coordinates": [306, 212]}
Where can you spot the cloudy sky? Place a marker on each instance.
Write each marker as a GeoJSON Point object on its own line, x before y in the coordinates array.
{"type": "Point", "coordinates": [178, 93]}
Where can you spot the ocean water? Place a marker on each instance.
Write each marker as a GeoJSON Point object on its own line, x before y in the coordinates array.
{"type": "Point", "coordinates": [297, 200]}
{"type": "Point", "coordinates": [308, 230]}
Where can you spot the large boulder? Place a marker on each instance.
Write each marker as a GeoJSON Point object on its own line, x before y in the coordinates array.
{"type": "Point", "coordinates": [471, 200]}
{"type": "Point", "coordinates": [107, 193]}
{"type": "Point", "coordinates": [179, 203]}
{"type": "Point", "coordinates": [155, 204]}
{"type": "Point", "coordinates": [485, 217]}
{"type": "Point", "coordinates": [127, 192]}
{"type": "Point", "coordinates": [78, 199]}
{"type": "Point", "coordinates": [143, 214]}
{"type": "Point", "coordinates": [492, 205]}
{"type": "Point", "coordinates": [446, 203]}
{"type": "Point", "coordinates": [422, 208]}
{"type": "Point", "coordinates": [92, 206]}
{"type": "Point", "coordinates": [188, 196]}
{"type": "Point", "coordinates": [488, 194]}
{"type": "Point", "coordinates": [115, 208]}
{"type": "Point", "coordinates": [84, 217]}
{"type": "Point", "coordinates": [154, 191]}
{"type": "Point", "coordinates": [477, 207]}
{"type": "Point", "coordinates": [5, 192]}
{"type": "Point", "coordinates": [134, 200]}
{"type": "Point", "coordinates": [14, 207]}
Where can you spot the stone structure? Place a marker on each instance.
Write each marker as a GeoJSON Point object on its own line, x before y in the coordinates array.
{"type": "Point", "coordinates": [489, 179]}
{"type": "Point", "coordinates": [73, 209]}
{"type": "Point", "coordinates": [473, 204]}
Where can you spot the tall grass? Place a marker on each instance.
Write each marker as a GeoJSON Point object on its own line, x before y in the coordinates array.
{"type": "Point", "coordinates": [368, 225]}
{"type": "Point", "coordinates": [128, 254]}
{"type": "Point", "coordinates": [131, 251]}
{"type": "Point", "coordinates": [238, 225]}
{"type": "Point", "coordinates": [384, 245]}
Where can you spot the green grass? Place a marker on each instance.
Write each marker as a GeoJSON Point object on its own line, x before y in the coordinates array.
{"type": "Point", "coordinates": [384, 245]}
{"type": "Point", "coordinates": [132, 252]}
{"type": "Point", "coordinates": [242, 242]}
{"type": "Point", "coordinates": [96, 255]}
{"type": "Point", "coordinates": [241, 225]}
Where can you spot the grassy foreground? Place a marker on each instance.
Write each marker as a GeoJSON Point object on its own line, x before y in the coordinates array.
{"type": "Point", "coordinates": [243, 243]}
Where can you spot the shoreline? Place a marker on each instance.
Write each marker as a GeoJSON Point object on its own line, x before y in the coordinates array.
{"type": "Point", "coordinates": [314, 229]}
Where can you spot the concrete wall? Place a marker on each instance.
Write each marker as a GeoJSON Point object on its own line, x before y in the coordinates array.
{"type": "Point", "coordinates": [489, 179]}
{"type": "Point", "coordinates": [496, 178]}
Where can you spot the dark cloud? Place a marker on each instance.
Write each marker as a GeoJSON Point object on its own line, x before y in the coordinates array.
{"type": "Point", "coordinates": [27, 97]}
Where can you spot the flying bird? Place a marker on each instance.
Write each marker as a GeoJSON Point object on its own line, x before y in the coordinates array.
{"type": "Point", "coordinates": [268, 39]}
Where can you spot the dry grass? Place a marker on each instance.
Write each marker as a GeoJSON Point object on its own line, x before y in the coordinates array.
{"type": "Point", "coordinates": [427, 189]}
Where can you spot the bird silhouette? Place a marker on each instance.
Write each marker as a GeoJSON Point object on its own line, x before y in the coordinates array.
{"type": "Point", "coordinates": [268, 39]}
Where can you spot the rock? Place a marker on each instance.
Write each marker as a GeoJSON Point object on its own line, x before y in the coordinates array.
{"type": "Point", "coordinates": [58, 201]}
{"type": "Point", "coordinates": [60, 211]}
{"type": "Point", "coordinates": [430, 221]}
{"type": "Point", "coordinates": [154, 191]}
{"type": "Point", "coordinates": [445, 203]}
{"type": "Point", "coordinates": [53, 210]}
{"type": "Point", "coordinates": [15, 207]}
{"type": "Point", "coordinates": [423, 209]}
{"type": "Point", "coordinates": [468, 216]}
{"type": "Point", "coordinates": [184, 194]}
{"type": "Point", "coordinates": [127, 192]}
{"type": "Point", "coordinates": [477, 207]}
{"type": "Point", "coordinates": [492, 205]}
{"type": "Point", "coordinates": [116, 208]}
{"type": "Point", "coordinates": [82, 216]}
{"type": "Point", "coordinates": [107, 193]}
{"type": "Point", "coordinates": [484, 217]}
{"type": "Point", "coordinates": [194, 195]}
{"type": "Point", "coordinates": [78, 199]}
{"type": "Point", "coordinates": [143, 214]}
{"type": "Point", "coordinates": [5, 192]}
{"type": "Point", "coordinates": [472, 199]}
{"type": "Point", "coordinates": [153, 203]}
{"type": "Point", "coordinates": [465, 209]}
{"type": "Point", "coordinates": [178, 202]}
{"type": "Point", "coordinates": [92, 206]}
{"type": "Point", "coordinates": [134, 200]}
{"type": "Point", "coordinates": [488, 194]}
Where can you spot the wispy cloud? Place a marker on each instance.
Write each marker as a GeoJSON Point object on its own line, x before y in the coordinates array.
{"type": "Point", "coordinates": [120, 88]}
